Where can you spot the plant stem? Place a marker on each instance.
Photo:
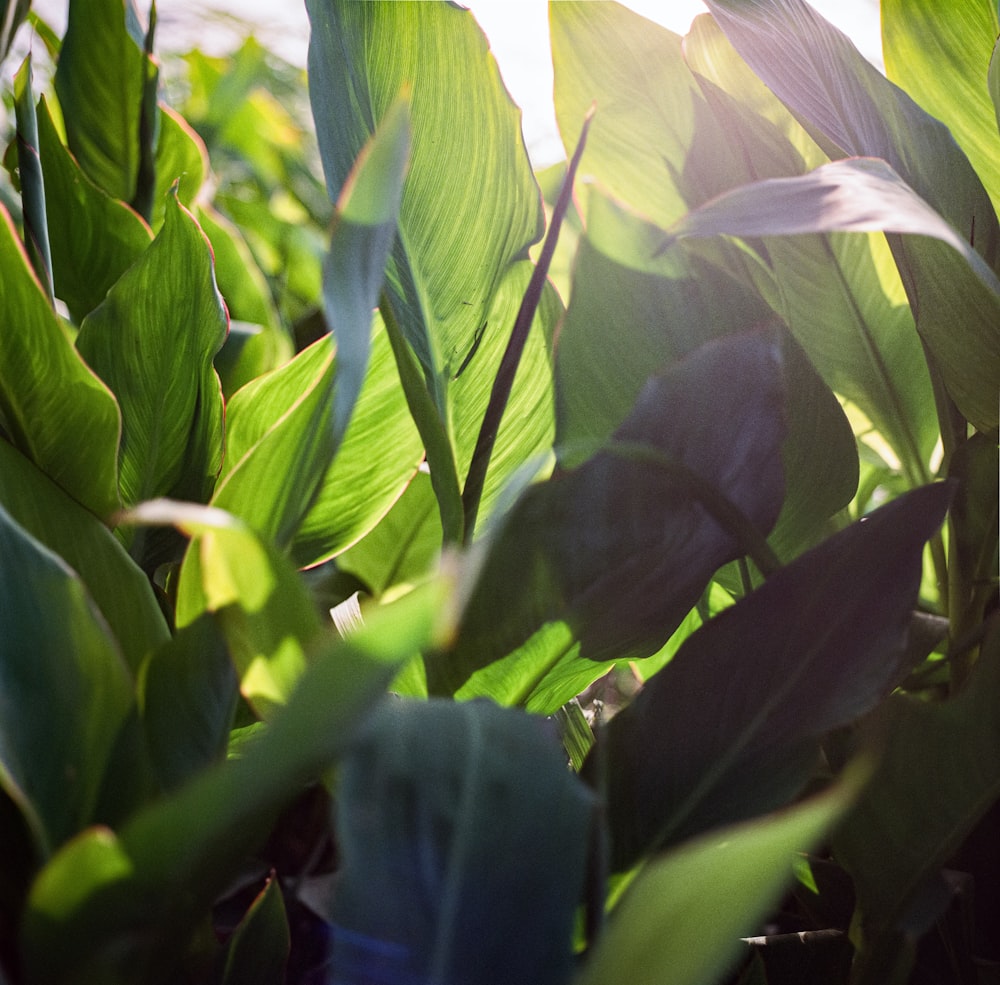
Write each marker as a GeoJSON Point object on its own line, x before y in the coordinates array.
{"type": "Point", "coordinates": [504, 381]}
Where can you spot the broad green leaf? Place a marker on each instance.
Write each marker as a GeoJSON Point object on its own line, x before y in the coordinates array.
{"type": "Point", "coordinates": [955, 294]}
{"type": "Point", "coordinates": [262, 608]}
{"type": "Point", "coordinates": [681, 920]}
{"type": "Point", "coordinates": [249, 352]}
{"type": "Point", "coordinates": [94, 237]}
{"type": "Point", "coordinates": [455, 246]}
{"type": "Point", "coordinates": [99, 81]}
{"type": "Point", "coordinates": [36, 231]}
{"type": "Point", "coordinates": [119, 908]}
{"type": "Point", "coordinates": [623, 546]}
{"type": "Point", "coordinates": [64, 690]}
{"type": "Point", "coordinates": [152, 340]}
{"type": "Point", "coordinates": [181, 157]}
{"type": "Point", "coordinates": [940, 753]}
{"type": "Point", "coordinates": [187, 692]}
{"type": "Point", "coordinates": [120, 590]}
{"type": "Point", "coordinates": [816, 646]}
{"type": "Point", "coordinates": [52, 407]}
{"type": "Point", "coordinates": [431, 796]}
{"type": "Point", "coordinates": [851, 107]}
{"type": "Point", "coordinates": [940, 54]}
{"type": "Point", "coordinates": [260, 944]}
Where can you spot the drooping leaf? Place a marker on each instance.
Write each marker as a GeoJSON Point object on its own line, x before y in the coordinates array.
{"type": "Point", "coordinates": [36, 231]}
{"type": "Point", "coordinates": [431, 796]}
{"type": "Point", "coordinates": [52, 407]}
{"type": "Point", "coordinates": [935, 753]}
{"type": "Point", "coordinates": [99, 80]}
{"type": "Point", "coordinates": [64, 690]}
{"type": "Point", "coordinates": [262, 608]}
{"type": "Point", "coordinates": [260, 944]}
{"type": "Point", "coordinates": [122, 907]}
{"type": "Point", "coordinates": [816, 646]}
{"type": "Point", "coordinates": [954, 292]}
{"type": "Point", "coordinates": [152, 340]}
{"type": "Point", "coordinates": [188, 691]}
{"type": "Point", "coordinates": [623, 546]}
{"type": "Point", "coordinates": [682, 918]}
{"type": "Point", "coordinates": [447, 266]}
{"type": "Point", "coordinates": [118, 587]}
{"type": "Point", "coordinates": [94, 238]}
{"type": "Point", "coordinates": [940, 54]}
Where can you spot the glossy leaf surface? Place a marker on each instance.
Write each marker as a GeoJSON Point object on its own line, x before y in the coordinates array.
{"type": "Point", "coordinates": [152, 341]}
{"type": "Point", "coordinates": [52, 407]}
{"type": "Point", "coordinates": [778, 669]}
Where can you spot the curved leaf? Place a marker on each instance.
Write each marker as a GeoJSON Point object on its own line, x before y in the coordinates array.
{"type": "Point", "coordinates": [64, 690]}
{"type": "Point", "coordinates": [52, 407]}
{"type": "Point", "coordinates": [94, 238]}
{"type": "Point", "coordinates": [119, 588]}
{"type": "Point", "coordinates": [623, 546]}
{"type": "Point", "coordinates": [954, 292]}
{"type": "Point", "coordinates": [940, 54]}
{"type": "Point", "coordinates": [816, 646]}
{"type": "Point", "coordinates": [152, 340]}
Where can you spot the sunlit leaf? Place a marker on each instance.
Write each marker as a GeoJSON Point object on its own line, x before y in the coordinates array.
{"type": "Point", "coordinates": [122, 906]}
{"type": "Point", "coordinates": [63, 687]}
{"type": "Point", "coordinates": [682, 918]}
{"type": "Point", "coordinates": [95, 238]}
{"type": "Point", "coordinates": [52, 407]}
{"type": "Point", "coordinates": [152, 340]}
{"type": "Point", "coordinates": [623, 546]}
{"type": "Point", "coordinates": [816, 646]}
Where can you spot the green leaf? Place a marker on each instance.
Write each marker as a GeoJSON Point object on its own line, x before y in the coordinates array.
{"type": "Point", "coordinates": [64, 689]}
{"type": "Point", "coordinates": [188, 691]}
{"type": "Point", "coordinates": [120, 908]}
{"type": "Point", "coordinates": [954, 292]}
{"type": "Point", "coordinates": [52, 407]}
{"type": "Point", "coordinates": [94, 237]}
{"type": "Point", "coordinates": [455, 246]}
{"type": "Point", "coordinates": [263, 610]}
{"type": "Point", "coordinates": [851, 107]}
{"type": "Point", "coordinates": [12, 14]}
{"type": "Point", "coordinates": [152, 340]}
{"type": "Point", "coordinates": [940, 54]}
{"type": "Point", "coordinates": [36, 232]}
{"type": "Point", "coordinates": [99, 80]}
{"type": "Point", "coordinates": [430, 797]}
{"type": "Point", "coordinates": [623, 546]}
{"type": "Point", "coordinates": [816, 646]}
{"type": "Point", "coordinates": [259, 947]}
{"type": "Point", "coordinates": [181, 158]}
{"type": "Point", "coordinates": [118, 587]}
{"type": "Point", "coordinates": [682, 918]}
{"type": "Point", "coordinates": [934, 752]}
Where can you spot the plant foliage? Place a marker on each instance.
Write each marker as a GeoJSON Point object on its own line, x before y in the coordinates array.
{"type": "Point", "coordinates": [386, 597]}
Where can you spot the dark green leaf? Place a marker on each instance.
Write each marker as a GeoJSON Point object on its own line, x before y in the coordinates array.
{"type": "Point", "coordinates": [260, 944]}
{"type": "Point", "coordinates": [431, 796]}
{"type": "Point", "coordinates": [682, 919]}
{"type": "Point", "coordinates": [623, 546]}
{"type": "Point", "coordinates": [64, 690]}
{"type": "Point", "coordinates": [119, 908]}
{"type": "Point", "coordinates": [180, 157]}
{"type": "Point", "coordinates": [935, 753]}
{"type": "Point", "coordinates": [152, 340]}
{"type": "Point", "coordinates": [120, 590]}
{"type": "Point", "coordinates": [730, 727]}
{"type": "Point", "coordinates": [188, 693]}
{"type": "Point", "coordinates": [94, 237]}
{"type": "Point", "coordinates": [52, 407]}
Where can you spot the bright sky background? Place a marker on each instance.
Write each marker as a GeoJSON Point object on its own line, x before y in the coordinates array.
{"type": "Point", "coordinates": [517, 29]}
